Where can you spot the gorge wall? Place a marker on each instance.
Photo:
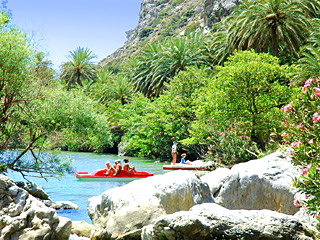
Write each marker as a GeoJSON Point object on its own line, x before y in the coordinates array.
{"type": "Point", "coordinates": [159, 19]}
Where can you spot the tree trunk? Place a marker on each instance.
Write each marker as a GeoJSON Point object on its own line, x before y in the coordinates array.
{"type": "Point", "coordinates": [255, 136]}
{"type": "Point", "coordinates": [274, 41]}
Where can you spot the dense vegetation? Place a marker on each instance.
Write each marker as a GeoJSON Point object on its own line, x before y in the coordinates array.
{"type": "Point", "coordinates": [219, 94]}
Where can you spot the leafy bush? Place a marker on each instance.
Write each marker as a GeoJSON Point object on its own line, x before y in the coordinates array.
{"type": "Point", "coordinates": [74, 120]}
{"type": "Point", "coordinates": [250, 88]}
{"type": "Point", "coordinates": [302, 134]}
{"type": "Point", "coordinates": [231, 146]}
{"type": "Point", "coordinates": [145, 32]}
{"type": "Point", "coordinates": [151, 127]}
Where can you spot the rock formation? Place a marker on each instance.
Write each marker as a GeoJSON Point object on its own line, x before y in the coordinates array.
{"type": "Point", "coordinates": [215, 10]}
{"type": "Point", "coordinates": [253, 200]}
{"type": "Point", "coordinates": [22, 216]}
{"type": "Point", "coordinates": [34, 189]}
{"type": "Point", "coordinates": [125, 210]}
{"type": "Point", "coordinates": [207, 220]}
{"type": "Point", "coordinates": [157, 19]}
{"type": "Point", "coordinates": [81, 228]}
{"type": "Point", "coordinates": [265, 183]}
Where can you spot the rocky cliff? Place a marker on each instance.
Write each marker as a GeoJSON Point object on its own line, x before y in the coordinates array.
{"type": "Point", "coordinates": [159, 19]}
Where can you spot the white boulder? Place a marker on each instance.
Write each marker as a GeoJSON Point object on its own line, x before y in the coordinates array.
{"type": "Point", "coordinates": [264, 183]}
{"type": "Point", "coordinates": [125, 210]}
{"type": "Point", "coordinates": [210, 220]}
{"type": "Point", "coordinates": [22, 216]}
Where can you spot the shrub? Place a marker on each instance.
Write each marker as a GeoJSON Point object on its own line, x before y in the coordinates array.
{"type": "Point", "coordinates": [302, 131]}
{"type": "Point", "coordinates": [145, 32]}
{"type": "Point", "coordinates": [250, 87]}
{"type": "Point", "coordinates": [231, 146]}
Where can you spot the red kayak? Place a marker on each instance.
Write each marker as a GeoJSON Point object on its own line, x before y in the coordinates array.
{"type": "Point", "coordinates": [98, 175]}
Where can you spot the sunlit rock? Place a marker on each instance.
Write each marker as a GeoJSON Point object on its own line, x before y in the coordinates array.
{"type": "Point", "coordinates": [81, 228]}
{"type": "Point", "coordinates": [125, 210]}
{"type": "Point", "coordinates": [210, 220]}
{"type": "Point", "coordinates": [22, 216]}
{"type": "Point", "coordinates": [264, 183]}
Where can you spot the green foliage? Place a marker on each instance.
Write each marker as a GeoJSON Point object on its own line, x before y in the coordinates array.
{"type": "Point", "coordinates": [23, 74]}
{"type": "Point", "coordinates": [159, 62]}
{"type": "Point", "coordinates": [110, 87]}
{"type": "Point", "coordinates": [145, 32]}
{"type": "Point", "coordinates": [271, 25]}
{"type": "Point", "coordinates": [310, 56]}
{"type": "Point", "coordinates": [302, 129]}
{"type": "Point", "coordinates": [192, 27]}
{"type": "Point", "coordinates": [75, 121]}
{"type": "Point", "coordinates": [79, 68]}
{"type": "Point", "coordinates": [157, 3]}
{"type": "Point", "coordinates": [151, 127]}
{"type": "Point", "coordinates": [250, 89]}
{"type": "Point", "coordinates": [232, 146]}
{"type": "Point", "coordinates": [176, 2]}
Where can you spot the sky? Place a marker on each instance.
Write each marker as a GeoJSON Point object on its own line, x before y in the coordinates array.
{"type": "Point", "coordinates": [60, 26]}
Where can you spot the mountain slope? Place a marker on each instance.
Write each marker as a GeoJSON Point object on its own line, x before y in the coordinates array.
{"type": "Point", "coordinates": [159, 19]}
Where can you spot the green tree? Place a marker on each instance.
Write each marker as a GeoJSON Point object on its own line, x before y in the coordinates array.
{"type": "Point", "coordinates": [110, 87]}
{"type": "Point", "coordinates": [309, 61]}
{"type": "Point", "coordinates": [43, 68]}
{"type": "Point", "coordinates": [20, 87]}
{"type": "Point", "coordinates": [250, 88]}
{"type": "Point", "coordinates": [150, 127]}
{"type": "Point", "coordinates": [79, 68]}
{"type": "Point", "coordinates": [270, 25]}
{"type": "Point", "coordinates": [75, 121]}
{"type": "Point", "coordinates": [159, 62]}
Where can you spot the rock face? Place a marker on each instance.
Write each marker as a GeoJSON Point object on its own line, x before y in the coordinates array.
{"type": "Point", "coordinates": [34, 189]}
{"type": "Point", "coordinates": [125, 210]}
{"type": "Point", "coordinates": [265, 183]}
{"type": "Point", "coordinates": [210, 220]}
{"type": "Point", "coordinates": [154, 17]}
{"type": "Point", "coordinates": [81, 228]}
{"type": "Point", "coordinates": [22, 216]}
{"type": "Point", "coordinates": [215, 10]}
{"type": "Point", "coordinates": [61, 205]}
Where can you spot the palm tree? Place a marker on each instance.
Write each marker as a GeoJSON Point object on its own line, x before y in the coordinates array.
{"type": "Point", "coordinates": [110, 87]}
{"type": "Point", "coordinates": [269, 25]}
{"type": "Point", "coordinates": [121, 89]}
{"type": "Point", "coordinates": [159, 62]}
{"type": "Point", "coordinates": [79, 67]}
{"type": "Point", "coordinates": [310, 56]}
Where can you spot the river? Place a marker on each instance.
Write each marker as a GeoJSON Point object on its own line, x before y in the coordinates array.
{"type": "Point", "coordinates": [68, 188]}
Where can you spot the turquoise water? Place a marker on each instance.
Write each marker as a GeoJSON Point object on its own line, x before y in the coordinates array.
{"type": "Point", "coordinates": [68, 188]}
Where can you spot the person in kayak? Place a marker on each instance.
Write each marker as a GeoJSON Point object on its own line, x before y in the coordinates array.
{"type": "Point", "coordinates": [127, 167]}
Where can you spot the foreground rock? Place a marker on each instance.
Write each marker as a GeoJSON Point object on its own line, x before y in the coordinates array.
{"type": "Point", "coordinates": [81, 228]}
{"type": "Point", "coordinates": [61, 204]}
{"type": "Point", "coordinates": [210, 220]}
{"type": "Point", "coordinates": [265, 183]}
{"type": "Point", "coordinates": [124, 211]}
{"type": "Point", "coordinates": [22, 216]}
{"type": "Point", "coordinates": [34, 189]}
